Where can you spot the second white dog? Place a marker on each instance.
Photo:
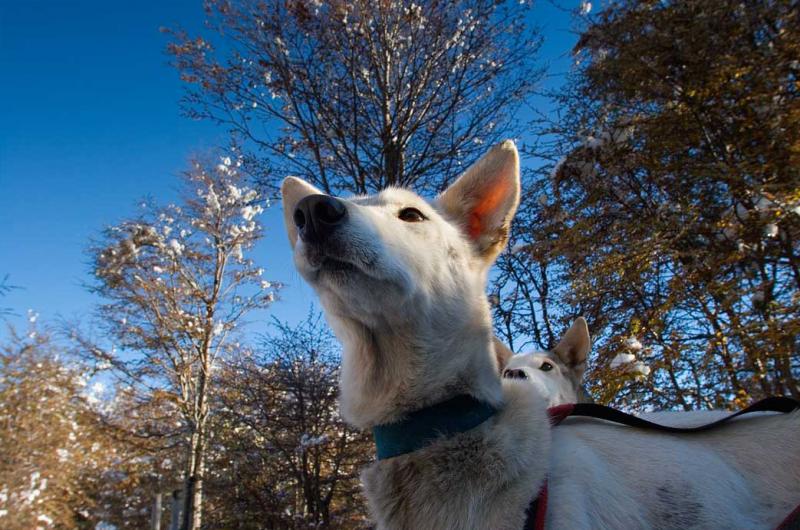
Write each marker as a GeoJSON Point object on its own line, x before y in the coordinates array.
{"type": "Point", "coordinates": [556, 374]}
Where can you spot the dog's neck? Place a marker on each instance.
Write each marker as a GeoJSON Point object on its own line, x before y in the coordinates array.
{"type": "Point", "coordinates": [425, 426]}
{"type": "Point", "coordinates": [390, 372]}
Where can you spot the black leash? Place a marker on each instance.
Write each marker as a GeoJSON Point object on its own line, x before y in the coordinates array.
{"type": "Point", "coordinates": [592, 410]}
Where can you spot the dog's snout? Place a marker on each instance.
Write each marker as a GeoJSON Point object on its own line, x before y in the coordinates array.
{"type": "Point", "coordinates": [317, 216]}
{"type": "Point", "coordinates": [329, 211]}
{"type": "Point", "coordinates": [515, 373]}
{"type": "Point", "coordinates": [299, 219]}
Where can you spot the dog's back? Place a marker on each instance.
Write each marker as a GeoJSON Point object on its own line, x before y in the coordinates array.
{"type": "Point", "coordinates": [742, 475]}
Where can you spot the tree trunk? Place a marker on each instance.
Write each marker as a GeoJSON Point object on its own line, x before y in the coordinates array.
{"type": "Point", "coordinates": [197, 502]}
{"type": "Point", "coordinates": [155, 515]}
{"type": "Point", "coordinates": [193, 486]}
{"type": "Point", "coordinates": [393, 162]}
{"type": "Point", "coordinates": [177, 505]}
{"type": "Point", "coordinates": [193, 501]}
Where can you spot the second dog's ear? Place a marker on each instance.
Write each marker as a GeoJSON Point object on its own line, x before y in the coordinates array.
{"type": "Point", "coordinates": [292, 190]}
{"type": "Point", "coordinates": [574, 346]}
{"type": "Point", "coordinates": [502, 353]}
{"type": "Point", "coordinates": [484, 199]}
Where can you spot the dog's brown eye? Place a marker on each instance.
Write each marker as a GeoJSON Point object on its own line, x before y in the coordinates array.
{"type": "Point", "coordinates": [546, 367]}
{"type": "Point", "coordinates": [411, 215]}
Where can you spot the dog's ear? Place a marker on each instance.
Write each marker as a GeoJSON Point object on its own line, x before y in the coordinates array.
{"type": "Point", "coordinates": [292, 190]}
{"type": "Point", "coordinates": [574, 346]}
{"type": "Point", "coordinates": [502, 353]}
{"type": "Point", "coordinates": [484, 199]}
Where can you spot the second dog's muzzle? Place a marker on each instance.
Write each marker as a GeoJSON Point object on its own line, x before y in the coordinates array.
{"type": "Point", "coordinates": [515, 374]}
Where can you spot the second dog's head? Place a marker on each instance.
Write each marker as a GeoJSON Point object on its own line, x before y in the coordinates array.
{"type": "Point", "coordinates": [405, 274]}
{"type": "Point", "coordinates": [557, 373]}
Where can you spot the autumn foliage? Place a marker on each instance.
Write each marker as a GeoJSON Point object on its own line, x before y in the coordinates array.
{"type": "Point", "coordinates": [670, 215]}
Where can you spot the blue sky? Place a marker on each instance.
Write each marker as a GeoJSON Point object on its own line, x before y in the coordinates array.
{"type": "Point", "coordinates": [90, 124]}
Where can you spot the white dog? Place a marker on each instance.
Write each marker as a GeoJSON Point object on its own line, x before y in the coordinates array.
{"type": "Point", "coordinates": [557, 374]}
{"type": "Point", "coordinates": [402, 282]}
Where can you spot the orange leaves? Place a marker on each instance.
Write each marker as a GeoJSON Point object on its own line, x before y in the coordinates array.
{"type": "Point", "coordinates": [686, 234]}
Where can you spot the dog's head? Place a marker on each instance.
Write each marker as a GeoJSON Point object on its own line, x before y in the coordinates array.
{"type": "Point", "coordinates": [557, 373]}
{"type": "Point", "coordinates": [368, 254]}
{"type": "Point", "coordinates": [405, 274]}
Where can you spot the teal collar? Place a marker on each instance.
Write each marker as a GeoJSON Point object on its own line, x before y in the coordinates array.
{"type": "Point", "coordinates": [423, 426]}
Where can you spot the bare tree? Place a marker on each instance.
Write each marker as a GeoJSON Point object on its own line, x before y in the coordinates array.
{"type": "Point", "coordinates": [178, 286]}
{"type": "Point", "coordinates": [358, 95]}
{"type": "Point", "coordinates": [296, 460]}
{"type": "Point", "coordinates": [5, 288]}
{"type": "Point", "coordinates": [530, 292]}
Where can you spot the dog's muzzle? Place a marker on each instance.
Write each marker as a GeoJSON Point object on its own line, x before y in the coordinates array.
{"type": "Point", "coordinates": [515, 374]}
{"type": "Point", "coordinates": [318, 216]}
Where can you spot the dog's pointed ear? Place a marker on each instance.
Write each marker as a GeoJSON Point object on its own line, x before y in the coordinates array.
{"type": "Point", "coordinates": [502, 352]}
{"type": "Point", "coordinates": [292, 190]}
{"type": "Point", "coordinates": [574, 346]}
{"type": "Point", "coordinates": [484, 199]}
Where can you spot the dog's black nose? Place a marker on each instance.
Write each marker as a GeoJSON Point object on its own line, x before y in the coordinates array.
{"type": "Point", "coordinates": [515, 374]}
{"type": "Point", "coordinates": [317, 216]}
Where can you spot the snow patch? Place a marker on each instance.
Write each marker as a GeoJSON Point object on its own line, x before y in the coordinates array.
{"type": "Point", "coordinates": [306, 441]}
{"type": "Point", "coordinates": [622, 359]}
{"type": "Point", "coordinates": [176, 246]}
{"type": "Point", "coordinates": [248, 212]}
{"type": "Point", "coordinates": [639, 368]}
{"type": "Point", "coordinates": [633, 344]}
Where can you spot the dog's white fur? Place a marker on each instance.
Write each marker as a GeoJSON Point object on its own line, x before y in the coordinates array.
{"type": "Point", "coordinates": [407, 301]}
{"type": "Point", "coordinates": [557, 374]}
